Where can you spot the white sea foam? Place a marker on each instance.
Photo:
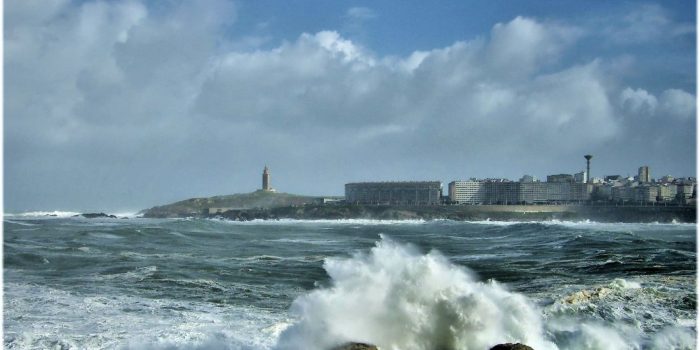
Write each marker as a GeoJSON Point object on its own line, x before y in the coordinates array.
{"type": "Point", "coordinates": [38, 317]}
{"type": "Point", "coordinates": [499, 222]}
{"type": "Point", "coordinates": [620, 226]}
{"type": "Point", "coordinates": [357, 222]}
{"type": "Point", "coordinates": [42, 214]}
{"type": "Point", "coordinates": [396, 298]}
{"type": "Point", "coordinates": [588, 224]}
{"type": "Point", "coordinates": [305, 241]}
{"type": "Point", "coordinates": [640, 314]}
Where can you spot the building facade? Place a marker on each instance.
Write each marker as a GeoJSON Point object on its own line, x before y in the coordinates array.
{"type": "Point", "coordinates": [684, 191]}
{"type": "Point", "coordinates": [533, 192]}
{"type": "Point", "coordinates": [646, 194]}
{"type": "Point", "coordinates": [394, 193]}
{"type": "Point", "coordinates": [467, 192]}
{"type": "Point", "coordinates": [667, 193]}
{"type": "Point", "coordinates": [560, 178]}
{"type": "Point", "coordinates": [643, 175]}
{"type": "Point", "coordinates": [622, 193]}
{"type": "Point", "coordinates": [502, 192]}
{"type": "Point", "coordinates": [509, 192]}
{"type": "Point", "coordinates": [581, 177]}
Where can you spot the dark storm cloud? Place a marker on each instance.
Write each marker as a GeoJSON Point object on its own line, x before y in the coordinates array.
{"type": "Point", "coordinates": [123, 106]}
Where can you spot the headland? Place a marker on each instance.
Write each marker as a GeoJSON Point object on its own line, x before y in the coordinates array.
{"type": "Point", "coordinates": [274, 205]}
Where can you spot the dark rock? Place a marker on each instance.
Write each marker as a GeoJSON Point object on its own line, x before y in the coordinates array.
{"type": "Point", "coordinates": [97, 215]}
{"type": "Point", "coordinates": [511, 346]}
{"type": "Point", "coordinates": [355, 346]}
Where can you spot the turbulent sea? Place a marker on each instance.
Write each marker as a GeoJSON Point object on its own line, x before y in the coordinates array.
{"type": "Point", "coordinates": [73, 283]}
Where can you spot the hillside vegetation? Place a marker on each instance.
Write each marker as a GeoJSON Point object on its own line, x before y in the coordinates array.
{"type": "Point", "coordinates": [240, 201]}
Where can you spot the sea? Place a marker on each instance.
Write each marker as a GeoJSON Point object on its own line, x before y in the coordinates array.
{"type": "Point", "coordinates": [137, 283]}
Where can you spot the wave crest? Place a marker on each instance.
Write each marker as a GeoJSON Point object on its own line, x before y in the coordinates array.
{"type": "Point", "coordinates": [396, 298]}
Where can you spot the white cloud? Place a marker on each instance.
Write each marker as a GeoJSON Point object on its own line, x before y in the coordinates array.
{"type": "Point", "coordinates": [361, 13]}
{"type": "Point", "coordinates": [639, 101]}
{"type": "Point", "coordinates": [645, 23]}
{"type": "Point", "coordinates": [674, 103]}
{"type": "Point", "coordinates": [523, 44]}
{"type": "Point", "coordinates": [678, 103]}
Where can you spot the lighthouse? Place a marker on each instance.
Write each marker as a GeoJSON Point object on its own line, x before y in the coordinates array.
{"type": "Point", "coordinates": [266, 180]}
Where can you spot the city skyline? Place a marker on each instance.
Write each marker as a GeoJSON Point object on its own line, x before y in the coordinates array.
{"type": "Point", "coordinates": [126, 105]}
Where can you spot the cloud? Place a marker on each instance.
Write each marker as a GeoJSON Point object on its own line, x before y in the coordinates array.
{"type": "Point", "coordinates": [523, 44]}
{"type": "Point", "coordinates": [127, 103]}
{"type": "Point", "coordinates": [678, 103]}
{"type": "Point", "coordinates": [361, 13]}
{"type": "Point", "coordinates": [674, 103]}
{"type": "Point", "coordinates": [645, 23]}
{"type": "Point", "coordinates": [638, 101]}
{"type": "Point", "coordinates": [356, 20]}
{"type": "Point", "coordinates": [327, 82]}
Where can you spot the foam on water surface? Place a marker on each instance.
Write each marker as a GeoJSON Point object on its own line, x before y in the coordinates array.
{"type": "Point", "coordinates": [42, 214]}
{"type": "Point", "coordinates": [309, 284]}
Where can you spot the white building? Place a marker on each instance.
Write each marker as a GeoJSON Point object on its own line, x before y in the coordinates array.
{"type": "Point", "coordinates": [467, 192]}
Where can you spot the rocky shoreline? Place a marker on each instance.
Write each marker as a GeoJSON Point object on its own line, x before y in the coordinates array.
{"type": "Point", "coordinates": [632, 214]}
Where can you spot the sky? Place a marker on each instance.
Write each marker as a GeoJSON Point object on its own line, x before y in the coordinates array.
{"type": "Point", "coordinates": [124, 105]}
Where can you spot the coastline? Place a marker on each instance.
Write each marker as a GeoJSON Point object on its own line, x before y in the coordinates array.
{"type": "Point", "coordinates": [625, 214]}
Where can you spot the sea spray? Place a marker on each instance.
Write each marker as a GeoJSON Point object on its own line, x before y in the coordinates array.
{"type": "Point", "coordinates": [396, 298]}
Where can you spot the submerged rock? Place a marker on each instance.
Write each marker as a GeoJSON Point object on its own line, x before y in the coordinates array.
{"type": "Point", "coordinates": [355, 346]}
{"type": "Point", "coordinates": [511, 346]}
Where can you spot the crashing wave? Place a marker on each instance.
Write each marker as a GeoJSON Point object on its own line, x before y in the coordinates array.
{"type": "Point", "coordinates": [40, 214]}
{"type": "Point", "coordinates": [397, 298]}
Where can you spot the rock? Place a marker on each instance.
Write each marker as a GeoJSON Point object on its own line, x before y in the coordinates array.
{"type": "Point", "coordinates": [97, 215]}
{"type": "Point", "coordinates": [511, 346]}
{"type": "Point", "coordinates": [355, 346]}
{"type": "Point", "coordinates": [587, 295]}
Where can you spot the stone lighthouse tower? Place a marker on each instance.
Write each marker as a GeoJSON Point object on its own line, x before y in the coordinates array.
{"type": "Point", "coordinates": [266, 180]}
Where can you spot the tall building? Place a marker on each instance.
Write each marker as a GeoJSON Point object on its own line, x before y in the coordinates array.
{"type": "Point", "coordinates": [266, 186]}
{"type": "Point", "coordinates": [470, 192]}
{"type": "Point", "coordinates": [396, 193]}
{"type": "Point", "coordinates": [533, 192]}
{"type": "Point", "coordinates": [644, 175]}
{"type": "Point", "coordinates": [502, 192]}
{"type": "Point", "coordinates": [581, 177]}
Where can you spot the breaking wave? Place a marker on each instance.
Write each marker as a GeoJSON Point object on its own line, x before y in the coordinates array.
{"type": "Point", "coordinates": [39, 214]}
{"type": "Point", "coordinates": [397, 298]}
